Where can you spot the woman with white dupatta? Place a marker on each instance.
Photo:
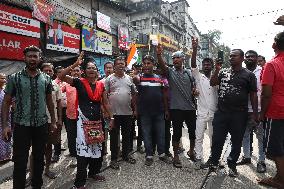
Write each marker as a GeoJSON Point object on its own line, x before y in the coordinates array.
{"type": "Point", "coordinates": [91, 94]}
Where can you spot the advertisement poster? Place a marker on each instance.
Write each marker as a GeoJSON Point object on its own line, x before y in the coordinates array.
{"type": "Point", "coordinates": [103, 22]}
{"type": "Point", "coordinates": [18, 21]}
{"type": "Point", "coordinates": [12, 45]}
{"type": "Point", "coordinates": [63, 38]}
{"type": "Point", "coordinates": [43, 11]}
{"type": "Point", "coordinates": [123, 37]}
{"type": "Point", "coordinates": [104, 43]}
{"type": "Point", "coordinates": [89, 42]}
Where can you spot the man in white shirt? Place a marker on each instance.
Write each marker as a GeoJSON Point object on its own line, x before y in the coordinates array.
{"type": "Point", "coordinates": [207, 101]}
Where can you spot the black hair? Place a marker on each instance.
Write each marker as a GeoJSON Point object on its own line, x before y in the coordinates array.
{"type": "Point", "coordinates": [43, 65]}
{"type": "Point", "coordinates": [240, 50]}
{"type": "Point", "coordinates": [149, 57]}
{"type": "Point", "coordinates": [58, 68]}
{"type": "Point", "coordinates": [210, 60]}
{"type": "Point", "coordinates": [32, 48]}
{"type": "Point", "coordinates": [279, 41]}
{"type": "Point", "coordinates": [85, 64]}
{"type": "Point", "coordinates": [108, 62]}
{"type": "Point", "coordinates": [252, 52]}
{"type": "Point", "coordinates": [263, 58]}
{"type": "Point", "coordinates": [120, 58]}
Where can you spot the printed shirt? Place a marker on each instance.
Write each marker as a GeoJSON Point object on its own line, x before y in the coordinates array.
{"type": "Point", "coordinates": [30, 94]}
{"type": "Point", "coordinates": [257, 73]}
{"type": "Point", "coordinates": [120, 91]}
{"type": "Point", "coordinates": [207, 99]}
{"type": "Point", "coordinates": [72, 105]}
{"type": "Point", "coordinates": [150, 95]}
{"type": "Point", "coordinates": [234, 89]}
{"type": "Point", "coordinates": [273, 75]}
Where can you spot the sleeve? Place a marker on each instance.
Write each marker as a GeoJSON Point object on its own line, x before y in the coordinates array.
{"type": "Point", "coordinates": [196, 74]}
{"type": "Point", "coordinates": [10, 88]}
{"type": "Point", "coordinates": [268, 75]}
{"type": "Point", "coordinates": [252, 83]}
{"type": "Point", "coordinates": [49, 87]}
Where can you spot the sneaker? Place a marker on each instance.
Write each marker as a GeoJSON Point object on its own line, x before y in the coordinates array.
{"type": "Point", "coordinates": [165, 159]}
{"type": "Point", "coordinates": [244, 161]}
{"type": "Point", "coordinates": [197, 164]}
{"type": "Point", "coordinates": [261, 167]}
{"type": "Point", "coordinates": [149, 161]}
{"type": "Point", "coordinates": [233, 172]}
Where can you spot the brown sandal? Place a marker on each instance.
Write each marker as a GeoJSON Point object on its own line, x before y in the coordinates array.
{"type": "Point", "coordinates": [177, 163]}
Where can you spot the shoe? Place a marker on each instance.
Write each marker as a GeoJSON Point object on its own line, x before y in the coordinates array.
{"type": "Point", "coordinates": [166, 159]}
{"type": "Point", "coordinates": [130, 160]}
{"type": "Point", "coordinates": [244, 161]}
{"type": "Point", "coordinates": [261, 167]}
{"type": "Point", "coordinates": [114, 165]}
{"type": "Point", "coordinates": [192, 157]}
{"type": "Point", "coordinates": [98, 178]}
{"type": "Point", "coordinates": [197, 164]}
{"type": "Point", "coordinates": [149, 161]}
{"type": "Point", "coordinates": [233, 172]}
{"type": "Point", "coordinates": [55, 159]}
{"type": "Point", "coordinates": [177, 163]}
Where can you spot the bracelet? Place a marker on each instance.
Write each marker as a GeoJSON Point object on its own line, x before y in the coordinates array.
{"type": "Point", "coordinates": [112, 118]}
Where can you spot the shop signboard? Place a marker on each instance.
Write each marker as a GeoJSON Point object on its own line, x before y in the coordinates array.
{"type": "Point", "coordinates": [13, 45]}
{"type": "Point", "coordinates": [18, 21]}
{"type": "Point", "coordinates": [61, 37]}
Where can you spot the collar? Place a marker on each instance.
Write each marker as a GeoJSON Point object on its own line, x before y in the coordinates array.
{"type": "Point", "coordinates": [25, 73]}
{"type": "Point", "coordinates": [281, 54]}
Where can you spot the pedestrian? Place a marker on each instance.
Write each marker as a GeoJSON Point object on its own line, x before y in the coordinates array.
{"type": "Point", "coordinates": [252, 126]}
{"type": "Point", "coordinates": [121, 93]}
{"type": "Point", "coordinates": [207, 101]}
{"type": "Point", "coordinates": [32, 90]}
{"type": "Point", "coordinates": [236, 84]}
{"type": "Point", "coordinates": [91, 93]}
{"type": "Point", "coordinates": [153, 108]}
{"type": "Point", "coordinates": [182, 106]}
{"type": "Point", "coordinates": [5, 146]}
{"type": "Point", "coordinates": [261, 60]}
{"type": "Point", "coordinates": [272, 107]}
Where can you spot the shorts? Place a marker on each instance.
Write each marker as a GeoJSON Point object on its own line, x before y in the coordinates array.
{"type": "Point", "coordinates": [274, 138]}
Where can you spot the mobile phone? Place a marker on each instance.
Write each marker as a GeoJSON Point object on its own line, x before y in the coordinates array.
{"type": "Point", "coordinates": [220, 57]}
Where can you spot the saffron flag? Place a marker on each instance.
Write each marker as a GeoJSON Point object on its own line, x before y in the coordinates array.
{"type": "Point", "coordinates": [133, 56]}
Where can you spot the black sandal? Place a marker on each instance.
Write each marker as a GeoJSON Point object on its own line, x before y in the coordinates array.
{"type": "Point", "coordinates": [130, 160]}
{"type": "Point", "coordinates": [114, 165]}
{"type": "Point", "coordinates": [177, 163]}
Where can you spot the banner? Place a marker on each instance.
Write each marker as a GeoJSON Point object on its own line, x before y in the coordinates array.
{"type": "Point", "coordinates": [103, 21]}
{"type": "Point", "coordinates": [89, 39]}
{"type": "Point", "coordinates": [63, 38]}
{"type": "Point", "coordinates": [43, 11]}
{"type": "Point", "coordinates": [123, 37]}
{"type": "Point", "coordinates": [18, 21]}
{"type": "Point", "coordinates": [12, 45]}
{"type": "Point", "coordinates": [104, 43]}
{"type": "Point", "coordinates": [168, 42]}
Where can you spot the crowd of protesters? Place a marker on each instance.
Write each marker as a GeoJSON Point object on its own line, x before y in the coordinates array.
{"type": "Point", "coordinates": [236, 101]}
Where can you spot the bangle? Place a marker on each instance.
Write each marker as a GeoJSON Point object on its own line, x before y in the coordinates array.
{"type": "Point", "coordinates": [112, 118]}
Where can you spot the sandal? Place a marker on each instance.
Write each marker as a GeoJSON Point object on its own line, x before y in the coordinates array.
{"type": "Point", "coordinates": [191, 156]}
{"type": "Point", "coordinates": [177, 163]}
{"type": "Point", "coordinates": [114, 165]}
{"type": "Point", "coordinates": [50, 174]}
{"type": "Point", "coordinates": [28, 182]}
{"type": "Point", "coordinates": [130, 160]}
{"type": "Point", "coordinates": [98, 178]}
{"type": "Point", "coordinates": [270, 182]}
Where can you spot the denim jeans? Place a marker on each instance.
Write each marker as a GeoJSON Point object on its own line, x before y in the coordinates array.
{"type": "Point", "coordinates": [247, 137]}
{"type": "Point", "coordinates": [224, 123]}
{"type": "Point", "coordinates": [156, 124]}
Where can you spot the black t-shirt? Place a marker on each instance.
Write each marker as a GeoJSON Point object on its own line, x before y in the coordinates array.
{"type": "Point", "coordinates": [90, 109]}
{"type": "Point", "coordinates": [150, 95]}
{"type": "Point", "coordinates": [234, 89]}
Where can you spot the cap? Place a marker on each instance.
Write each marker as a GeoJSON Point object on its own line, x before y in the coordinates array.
{"type": "Point", "coordinates": [178, 54]}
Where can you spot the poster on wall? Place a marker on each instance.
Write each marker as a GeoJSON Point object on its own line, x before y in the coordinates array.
{"type": "Point", "coordinates": [89, 42]}
{"type": "Point", "coordinates": [18, 21]}
{"type": "Point", "coordinates": [43, 11]}
{"type": "Point", "coordinates": [12, 45]}
{"type": "Point", "coordinates": [123, 37]}
{"type": "Point", "coordinates": [103, 21]}
{"type": "Point", "coordinates": [63, 38]}
{"type": "Point", "coordinates": [104, 43]}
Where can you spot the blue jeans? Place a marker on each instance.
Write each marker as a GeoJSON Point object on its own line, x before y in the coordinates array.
{"type": "Point", "coordinates": [153, 124]}
{"type": "Point", "coordinates": [259, 135]}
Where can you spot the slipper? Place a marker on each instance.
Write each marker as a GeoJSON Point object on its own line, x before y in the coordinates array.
{"type": "Point", "coordinates": [114, 165]}
{"type": "Point", "coordinates": [98, 178]}
{"type": "Point", "coordinates": [50, 174]}
{"type": "Point", "coordinates": [191, 156]}
{"type": "Point", "coordinates": [177, 163]}
{"type": "Point", "coordinates": [270, 182]}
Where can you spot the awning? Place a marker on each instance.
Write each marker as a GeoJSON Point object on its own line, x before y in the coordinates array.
{"type": "Point", "coordinates": [9, 67]}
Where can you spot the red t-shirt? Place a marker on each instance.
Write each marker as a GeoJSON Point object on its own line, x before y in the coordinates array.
{"type": "Point", "coordinates": [273, 75]}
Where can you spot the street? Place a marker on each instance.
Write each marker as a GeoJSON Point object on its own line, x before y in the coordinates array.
{"type": "Point", "coordinates": [159, 175]}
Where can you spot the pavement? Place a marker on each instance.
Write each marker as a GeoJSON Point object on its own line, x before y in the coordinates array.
{"type": "Point", "coordinates": [158, 176]}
